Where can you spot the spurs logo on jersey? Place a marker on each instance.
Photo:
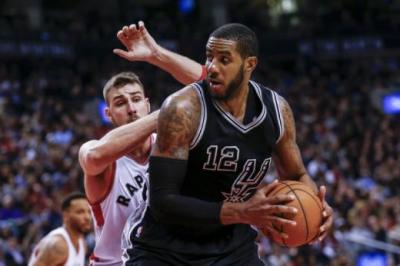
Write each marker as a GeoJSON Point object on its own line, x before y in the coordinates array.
{"type": "Point", "coordinates": [225, 159]}
{"type": "Point", "coordinates": [246, 183]}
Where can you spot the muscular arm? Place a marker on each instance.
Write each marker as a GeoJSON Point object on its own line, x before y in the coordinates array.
{"type": "Point", "coordinates": [53, 251]}
{"type": "Point", "coordinates": [287, 157]}
{"type": "Point", "coordinates": [178, 122]}
{"type": "Point", "coordinates": [97, 156]}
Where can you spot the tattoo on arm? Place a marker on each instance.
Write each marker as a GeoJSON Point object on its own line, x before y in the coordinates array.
{"type": "Point", "coordinates": [177, 124]}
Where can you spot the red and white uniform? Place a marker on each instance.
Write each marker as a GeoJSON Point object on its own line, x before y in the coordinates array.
{"type": "Point", "coordinates": [75, 258]}
{"type": "Point", "coordinates": [128, 191]}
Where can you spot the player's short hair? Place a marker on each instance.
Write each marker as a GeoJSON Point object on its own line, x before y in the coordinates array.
{"type": "Point", "coordinates": [119, 80]}
{"type": "Point", "coordinates": [246, 39]}
{"type": "Point", "coordinates": [69, 198]}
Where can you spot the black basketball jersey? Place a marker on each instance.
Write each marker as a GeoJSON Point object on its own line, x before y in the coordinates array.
{"type": "Point", "coordinates": [227, 161]}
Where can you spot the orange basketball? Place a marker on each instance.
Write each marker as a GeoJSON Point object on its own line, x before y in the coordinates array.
{"type": "Point", "coordinates": [308, 216]}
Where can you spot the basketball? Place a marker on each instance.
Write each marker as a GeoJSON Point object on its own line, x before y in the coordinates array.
{"type": "Point", "coordinates": [308, 216]}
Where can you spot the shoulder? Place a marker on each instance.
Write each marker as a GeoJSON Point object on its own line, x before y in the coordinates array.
{"type": "Point", "coordinates": [285, 109]}
{"type": "Point", "coordinates": [182, 107]}
{"type": "Point", "coordinates": [287, 117]}
{"type": "Point", "coordinates": [57, 242]}
{"type": "Point", "coordinates": [53, 248]}
{"type": "Point", "coordinates": [187, 98]}
{"type": "Point", "coordinates": [282, 102]}
{"type": "Point", "coordinates": [179, 119]}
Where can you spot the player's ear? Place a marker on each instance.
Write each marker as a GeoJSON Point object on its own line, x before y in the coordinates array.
{"type": "Point", "coordinates": [250, 63]}
{"type": "Point", "coordinates": [107, 113]}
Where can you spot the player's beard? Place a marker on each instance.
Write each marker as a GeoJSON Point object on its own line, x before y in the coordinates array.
{"type": "Point", "coordinates": [233, 86]}
{"type": "Point", "coordinates": [80, 228]}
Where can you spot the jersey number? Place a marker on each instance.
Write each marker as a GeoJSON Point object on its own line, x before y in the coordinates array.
{"type": "Point", "coordinates": [246, 183]}
{"type": "Point", "coordinates": [226, 160]}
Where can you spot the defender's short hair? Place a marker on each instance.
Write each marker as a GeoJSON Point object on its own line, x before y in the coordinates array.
{"type": "Point", "coordinates": [119, 80]}
{"type": "Point", "coordinates": [69, 198]}
{"type": "Point", "coordinates": [246, 39]}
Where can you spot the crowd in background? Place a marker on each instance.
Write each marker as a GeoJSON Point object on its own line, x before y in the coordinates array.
{"type": "Point", "coordinates": [49, 107]}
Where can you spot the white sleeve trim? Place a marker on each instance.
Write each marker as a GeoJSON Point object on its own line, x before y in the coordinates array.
{"type": "Point", "coordinates": [279, 118]}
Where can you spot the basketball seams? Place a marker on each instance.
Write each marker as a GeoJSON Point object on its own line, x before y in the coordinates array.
{"type": "Point", "coordinates": [317, 201]}
{"type": "Point", "coordinates": [297, 188]}
{"type": "Point", "coordinates": [313, 196]}
{"type": "Point", "coordinates": [302, 208]}
{"type": "Point", "coordinates": [287, 186]}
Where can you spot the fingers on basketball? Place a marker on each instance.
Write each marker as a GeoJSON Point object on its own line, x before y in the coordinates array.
{"type": "Point", "coordinates": [308, 217]}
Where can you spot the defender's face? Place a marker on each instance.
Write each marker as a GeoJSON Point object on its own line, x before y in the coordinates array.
{"type": "Point", "coordinates": [127, 104]}
{"type": "Point", "coordinates": [78, 216]}
{"type": "Point", "coordinates": [224, 67]}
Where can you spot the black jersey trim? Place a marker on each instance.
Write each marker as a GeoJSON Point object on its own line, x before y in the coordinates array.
{"type": "Point", "coordinates": [203, 116]}
{"type": "Point", "coordinates": [232, 120]}
{"type": "Point", "coordinates": [278, 115]}
{"type": "Point", "coordinates": [131, 232]}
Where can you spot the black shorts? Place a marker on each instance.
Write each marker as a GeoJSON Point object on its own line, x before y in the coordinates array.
{"type": "Point", "coordinates": [140, 256]}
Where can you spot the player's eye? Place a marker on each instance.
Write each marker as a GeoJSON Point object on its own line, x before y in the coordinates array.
{"type": "Point", "coordinates": [225, 60]}
{"type": "Point", "coordinates": [136, 99]}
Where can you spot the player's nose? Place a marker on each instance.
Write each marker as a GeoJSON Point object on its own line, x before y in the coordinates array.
{"type": "Point", "coordinates": [132, 108]}
{"type": "Point", "coordinates": [212, 68]}
{"type": "Point", "coordinates": [88, 217]}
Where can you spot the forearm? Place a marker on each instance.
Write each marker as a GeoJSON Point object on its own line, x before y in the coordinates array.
{"type": "Point", "coordinates": [181, 210]}
{"type": "Point", "coordinates": [123, 139]}
{"type": "Point", "coordinates": [182, 68]}
{"type": "Point", "coordinates": [167, 203]}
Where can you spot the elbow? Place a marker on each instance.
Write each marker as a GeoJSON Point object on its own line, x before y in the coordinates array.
{"type": "Point", "coordinates": [93, 157]}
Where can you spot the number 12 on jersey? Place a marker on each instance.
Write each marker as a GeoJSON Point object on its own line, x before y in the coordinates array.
{"type": "Point", "coordinates": [226, 159]}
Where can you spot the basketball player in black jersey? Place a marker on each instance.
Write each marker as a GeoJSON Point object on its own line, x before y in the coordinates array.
{"type": "Point", "coordinates": [216, 140]}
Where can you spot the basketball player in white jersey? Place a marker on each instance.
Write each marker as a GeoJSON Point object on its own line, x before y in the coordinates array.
{"type": "Point", "coordinates": [116, 166]}
{"type": "Point", "coordinates": [65, 245]}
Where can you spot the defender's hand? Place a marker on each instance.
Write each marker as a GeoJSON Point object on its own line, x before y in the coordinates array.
{"type": "Point", "coordinates": [139, 44]}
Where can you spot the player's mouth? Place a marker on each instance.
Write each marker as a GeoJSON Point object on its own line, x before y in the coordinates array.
{"type": "Point", "coordinates": [133, 118]}
{"type": "Point", "coordinates": [216, 85]}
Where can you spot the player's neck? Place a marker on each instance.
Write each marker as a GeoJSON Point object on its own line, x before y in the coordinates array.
{"type": "Point", "coordinates": [73, 235]}
{"type": "Point", "coordinates": [236, 105]}
{"type": "Point", "coordinates": [141, 154]}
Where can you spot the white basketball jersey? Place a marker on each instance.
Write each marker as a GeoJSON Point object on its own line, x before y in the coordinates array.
{"type": "Point", "coordinates": [126, 194]}
{"type": "Point", "coordinates": [74, 258]}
